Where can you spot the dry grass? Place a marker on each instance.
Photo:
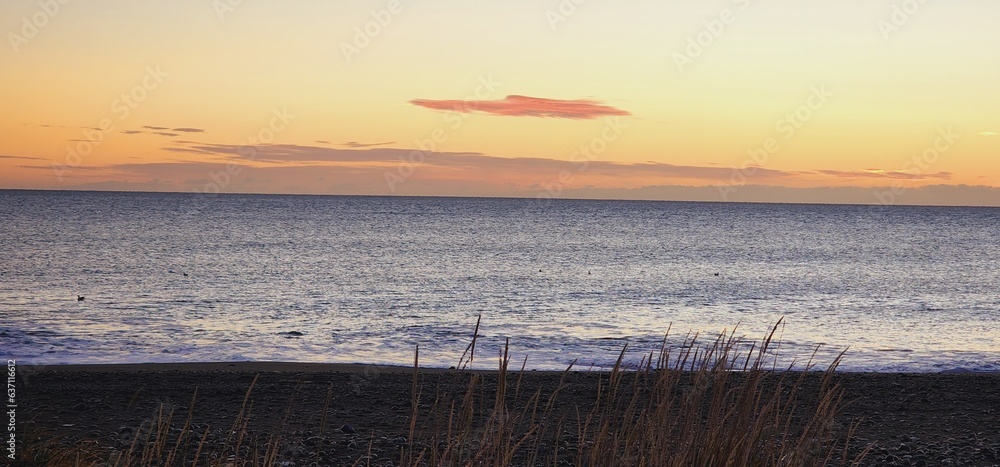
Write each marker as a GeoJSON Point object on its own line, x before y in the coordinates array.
{"type": "Point", "coordinates": [44, 448]}
{"type": "Point", "coordinates": [707, 404]}
{"type": "Point", "coordinates": [162, 444]}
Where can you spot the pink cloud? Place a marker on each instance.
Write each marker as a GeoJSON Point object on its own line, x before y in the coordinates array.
{"type": "Point", "coordinates": [524, 106]}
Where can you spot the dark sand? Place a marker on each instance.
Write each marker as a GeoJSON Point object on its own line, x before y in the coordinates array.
{"type": "Point", "coordinates": [914, 419]}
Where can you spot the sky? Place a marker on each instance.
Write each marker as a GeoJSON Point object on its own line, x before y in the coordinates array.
{"type": "Point", "coordinates": [854, 101]}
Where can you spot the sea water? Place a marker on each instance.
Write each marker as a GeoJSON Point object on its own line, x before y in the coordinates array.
{"type": "Point", "coordinates": [192, 277]}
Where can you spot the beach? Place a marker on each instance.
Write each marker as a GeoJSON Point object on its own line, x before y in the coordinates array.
{"type": "Point", "coordinates": [335, 414]}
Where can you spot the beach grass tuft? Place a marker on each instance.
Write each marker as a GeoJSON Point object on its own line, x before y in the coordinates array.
{"type": "Point", "coordinates": [718, 402]}
{"type": "Point", "coordinates": [705, 405]}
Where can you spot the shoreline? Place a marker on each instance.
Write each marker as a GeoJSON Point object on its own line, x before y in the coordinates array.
{"type": "Point", "coordinates": [283, 366]}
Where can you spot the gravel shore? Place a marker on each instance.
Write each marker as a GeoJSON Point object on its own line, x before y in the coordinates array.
{"type": "Point", "coordinates": [340, 414]}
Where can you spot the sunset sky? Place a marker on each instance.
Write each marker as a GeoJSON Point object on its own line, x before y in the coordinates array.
{"type": "Point", "coordinates": [860, 101]}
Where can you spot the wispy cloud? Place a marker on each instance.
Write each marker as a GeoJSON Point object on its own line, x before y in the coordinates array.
{"type": "Point", "coordinates": [294, 168]}
{"type": "Point", "coordinates": [524, 106]}
{"type": "Point", "coordinates": [189, 176]}
{"type": "Point", "coordinates": [294, 153]}
{"type": "Point", "coordinates": [987, 133]}
{"type": "Point", "coordinates": [476, 165]}
{"type": "Point", "coordinates": [91, 168]}
{"type": "Point", "coordinates": [21, 157]}
{"type": "Point", "coordinates": [43, 125]}
{"type": "Point", "coordinates": [188, 150]}
{"type": "Point", "coordinates": [356, 145]}
{"type": "Point", "coordinates": [930, 195]}
{"type": "Point", "coordinates": [163, 131]}
{"type": "Point", "coordinates": [890, 174]}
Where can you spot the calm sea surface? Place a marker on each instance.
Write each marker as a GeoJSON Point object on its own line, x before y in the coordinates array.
{"type": "Point", "coordinates": [185, 277]}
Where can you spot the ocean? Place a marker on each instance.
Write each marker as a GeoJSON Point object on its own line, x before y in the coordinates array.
{"type": "Point", "coordinates": [344, 279]}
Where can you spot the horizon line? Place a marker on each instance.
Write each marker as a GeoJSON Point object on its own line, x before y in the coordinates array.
{"type": "Point", "coordinates": [538, 199]}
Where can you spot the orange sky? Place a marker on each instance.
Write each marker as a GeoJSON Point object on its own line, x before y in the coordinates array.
{"type": "Point", "coordinates": [852, 101]}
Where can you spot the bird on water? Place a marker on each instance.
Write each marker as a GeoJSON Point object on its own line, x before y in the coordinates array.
{"type": "Point", "coordinates": [80, 298]}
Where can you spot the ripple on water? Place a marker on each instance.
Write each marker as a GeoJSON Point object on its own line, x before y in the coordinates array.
{"type": "Point", "coordinates": [367, 286]}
